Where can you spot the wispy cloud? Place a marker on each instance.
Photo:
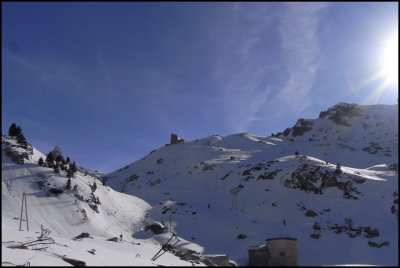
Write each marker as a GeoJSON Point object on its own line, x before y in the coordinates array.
{"type": "Point", "coordinates": [60, 74]}
{"type": "Point", "coordinates": [241, 66]}
{"type": "Point", "coordinates": [301, 50]}
{"type": "Point", "coordinates": [48, 71]}
{"type": "Point", "coordinates": [13, 54]}
{"type": "Point", "coordinates": [269, 60]}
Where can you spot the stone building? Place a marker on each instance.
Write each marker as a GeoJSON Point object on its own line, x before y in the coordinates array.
{"type": "Point", "coordinates": [176, 139]}
{"type": "Point", "coordinates": [280, 251]}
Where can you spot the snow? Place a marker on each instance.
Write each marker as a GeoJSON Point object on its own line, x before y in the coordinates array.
{"type": "Point", "coordinates": [200, 173]}
{"type": "Point", "coordinates": [186, 187]}
{"type": "Point", "coordinates": [62, 215]}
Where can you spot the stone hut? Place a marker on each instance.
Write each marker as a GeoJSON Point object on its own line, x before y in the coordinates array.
{"type": "Point", "coordinates": [176, 139]}
{"type": "Point", "coordinates": [258, 256]}
{"type": "Point", "coordinates": [280, 251]}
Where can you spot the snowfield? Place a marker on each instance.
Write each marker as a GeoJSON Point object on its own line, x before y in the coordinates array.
{"type": "Point", "coordinates": [330, 182]}
{"type": "Point", "coordinates": [66, 217]}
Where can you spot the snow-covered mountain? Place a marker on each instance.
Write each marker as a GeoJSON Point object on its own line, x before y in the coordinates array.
{"type": "Point", "coordinates": [333, 180]}
{"type": "Point", "coordinates": [94, 213]}
{"type": "Point", "coordinates": [330, 182]}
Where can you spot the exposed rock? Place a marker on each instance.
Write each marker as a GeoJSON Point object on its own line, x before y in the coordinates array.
{"type": "Point", "coordinates": [340, 112]}
{"type": "Point", "coordinates": [359, 180]}
{"type": "Point", "coordinates": [82, 235]}
{"type": "Point", "coordinates": [378, 245]}
{"type": "Point", "coordinates": [55, 191]}
{"type": "Point", "coordinates": [373, 148]}
{"type": "Point", "coordinates": [310, 213]}
{"type": "Point", "coordinates": [301, 127]}
{"type": "Point", "coordinates": [155, 228]}
{"type": "Point", "coordinates": [17, 156]}
{"type": "Point", "coordinates": [76, 263]}
{"type": "Point", "coordinates": [316, 226]}
{"type": "Point", "coordinates": [269, 175]}
{"type": "Point", "coordinates": [154, 182]}
{"type": "Point", "coordinates": [246, 172]}
{"type": "Point", "coordinates": [133, 177]}
{"type": "Point", "coordinates": [315, 236]}
{"type": "Point", "coordinates": [393, 166]}
{"type": "Point", "coordinates": [225, 176]}
{"type": "Point", "coordinates": [370, 232]}
{"type": "Point", "coordinates": [93, 207]}
{"type": "Point", "coordinates": [312, 179]}
{"type": "Point", "coordinates": [241, 236]}
{"type": "Point", "coordinates": [286, 132]}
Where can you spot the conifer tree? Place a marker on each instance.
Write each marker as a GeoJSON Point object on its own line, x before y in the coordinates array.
{"type": "Point", "coordinates": [21, 140]}
{"type": "Point", "coordinates": [70, 173]}
{"type": "Point", "coordinates": [68, 160]}
{"type": "Point", "coordinates": [18, 131]}
{"type": "Point", "coordinates": [73, 167]}
{"type": "Point", "coordinates": [56, 169]}
{"type": "Point", "coordinates": [59, 159]}
{"type": "Point", "coordinates": [50, 159]}
{"type": "Point", "coordinates": [41, 162]}
{"type": "Point", "coordinates": [94, 187]}
{"type": "Point", "coordinates": [12, 131]}
{"type": "Point", "coordinates": [68, 185]}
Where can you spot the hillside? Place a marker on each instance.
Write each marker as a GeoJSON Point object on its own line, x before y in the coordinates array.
{"type": "Point", "coordinates": [330, 182]}
{"type": "Point", "coordinates": [58, 216]}
{"type": "Point", "coordinates": [349, 216]}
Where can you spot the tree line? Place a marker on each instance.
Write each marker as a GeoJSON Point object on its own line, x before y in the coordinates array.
{"type": "Point", "coordinates": [15, 132]}
{"type": "Point", "coordinates": [58, 162]}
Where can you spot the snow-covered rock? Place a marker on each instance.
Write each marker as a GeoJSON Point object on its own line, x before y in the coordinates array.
{"type": "Point", "coordinates": [189, 187]}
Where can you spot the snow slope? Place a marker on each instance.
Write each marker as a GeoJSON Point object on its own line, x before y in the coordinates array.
{"type": "Point", "coordinates": [188, 184]}
{"type": "Point", "coordinates": [68, 214]}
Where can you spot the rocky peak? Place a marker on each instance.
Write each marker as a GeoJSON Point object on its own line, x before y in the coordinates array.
{"type": "Point", "coordinates": [341, 112]}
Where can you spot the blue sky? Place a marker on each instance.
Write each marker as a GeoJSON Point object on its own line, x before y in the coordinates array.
{"type": "Point", "coordinates": [108, 82]}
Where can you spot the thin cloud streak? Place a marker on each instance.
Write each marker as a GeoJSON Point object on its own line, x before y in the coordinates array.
{"type": "Point", "coordinates": [241, 73]}
{"type": "Point", "coordinates": [247, 75]}
{"type": "Point", "coordinates": [299, 42]}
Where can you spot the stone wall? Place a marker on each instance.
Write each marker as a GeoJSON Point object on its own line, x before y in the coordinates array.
{"type": "Point", "coordinates": [283, 251]}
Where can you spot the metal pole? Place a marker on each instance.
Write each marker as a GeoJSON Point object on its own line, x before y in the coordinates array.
{"type": "Point", "coordinates": [236, 200]}
{"type": "Point", "coordinates": [22, 207]}
{"type": "Point", "coordinates": [26, 214]}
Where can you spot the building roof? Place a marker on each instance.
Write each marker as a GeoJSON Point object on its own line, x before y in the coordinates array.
{"type": "Point", "coordinates": [281, 238]}
{"type": "Point", "coordinates": [262, 247]}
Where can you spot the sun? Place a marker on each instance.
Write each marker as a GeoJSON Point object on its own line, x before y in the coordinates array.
{"type": "Point", "coordinates": [389, 61]}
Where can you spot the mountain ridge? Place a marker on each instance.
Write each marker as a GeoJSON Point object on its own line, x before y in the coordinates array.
{"type": "Point", "coordinates": [200, 174]}
{"type": "Point", "coordinates": [330, 182]}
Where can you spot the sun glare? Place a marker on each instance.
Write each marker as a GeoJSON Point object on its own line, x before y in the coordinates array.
{"type": "Point", "coordinates": [390, 60]}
